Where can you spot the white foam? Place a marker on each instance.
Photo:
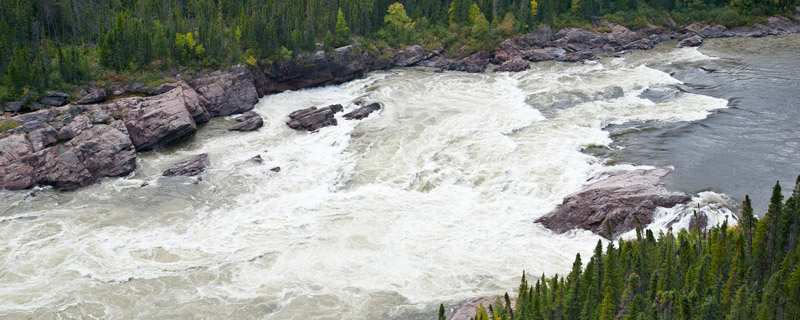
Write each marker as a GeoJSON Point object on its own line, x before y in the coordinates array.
{"type": "Point", "coordinates": [432, 199]}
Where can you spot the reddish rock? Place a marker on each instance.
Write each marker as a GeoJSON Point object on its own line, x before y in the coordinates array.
{"type": "Point", "coordinates": [363, 111]}
{"type": "Point", "coordinates": [227, 91]}
{"type": "Point", "coordinates": [313, 119]}
{"type": "Point", "coordinates": [617, 201]}
{"type": "Point", "coordinates": [516, 64]}
{"type": "Point", "coordinates": [192, 166]}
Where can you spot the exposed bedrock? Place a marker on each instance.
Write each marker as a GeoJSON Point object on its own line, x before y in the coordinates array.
{"type": "Point", "coordinates": [611, 206]}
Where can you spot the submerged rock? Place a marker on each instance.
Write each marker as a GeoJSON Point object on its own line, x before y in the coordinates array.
{"type": "Point", "coordinates": [363, 111]}
{"type": "Point", "coordinates": [614, 203]}
{"type": "Point", "coordinates": [313, 119]}
{"type": "Point", "coordinates": [192, 166]}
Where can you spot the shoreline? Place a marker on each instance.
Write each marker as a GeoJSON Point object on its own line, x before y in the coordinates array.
{"type": "Point", "coordinates": [75, 145]}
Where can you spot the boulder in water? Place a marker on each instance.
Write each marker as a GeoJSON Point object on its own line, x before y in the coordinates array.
{"type": "Point", "coordinates": [692, 41]}
{"type": "Point", "coordinates": [192, 166]}
{"type": "Point", "coordinates": [249, 121]}
{"type": "Point", "coordinates": [516, 64]}
{"type": "Point", "coordinates": [363, 111]}
{"type": "Point", "coordinates": [313, 119]}
{"type": "Point", "coordinates": [614, 204]}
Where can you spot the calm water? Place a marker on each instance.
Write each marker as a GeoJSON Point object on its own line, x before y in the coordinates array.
{"type": "Point", "coordinates": [429, 201]}
{"type": "Point", "coordinates": [742, 149]}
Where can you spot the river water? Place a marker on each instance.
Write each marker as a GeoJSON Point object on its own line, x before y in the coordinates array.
{"type": "Point", "coordinates": [429, 201]}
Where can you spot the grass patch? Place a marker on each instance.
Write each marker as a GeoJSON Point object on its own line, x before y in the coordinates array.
{"type": "Point", "coordinates": [8, 125]}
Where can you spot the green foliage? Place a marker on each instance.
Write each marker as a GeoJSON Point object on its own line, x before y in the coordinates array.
{"type": "Point", "coordinates": [8, 125]}
{"type": "Point", "coordinates": [691, 275]}
{"type": "Point", "coordinates": [397, 18]}
{"type": "Point", "coordinates": [342, 31]}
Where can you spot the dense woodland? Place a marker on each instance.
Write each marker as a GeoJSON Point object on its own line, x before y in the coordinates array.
{"type": "Point", "coordinates": [54, 44]}
{"type": "Point", "coordinates": [749, 271]}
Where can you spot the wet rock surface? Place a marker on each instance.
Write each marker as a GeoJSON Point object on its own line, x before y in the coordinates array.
{"type": "Point", "coordinates": [249, 121]}
{"type": "Point", "coordinates": [363, 111]}
{"type": "Point", "coordinates": [614, 204]}
{"type": "Point", "coordinates": [313, 119]}
{"type": "Point", "coordinates": [190, 167]}
{"type": "Point", "coordinates": [516, 64]}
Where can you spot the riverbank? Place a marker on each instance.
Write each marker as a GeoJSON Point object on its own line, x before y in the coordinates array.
{"type": "Point", "coordinates": [69, 146]}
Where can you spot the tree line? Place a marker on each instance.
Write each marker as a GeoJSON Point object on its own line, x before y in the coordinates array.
{"type": "Point", "coordinates": [47, 43]}
{"type": "Point", "coordinates": [749, 271]}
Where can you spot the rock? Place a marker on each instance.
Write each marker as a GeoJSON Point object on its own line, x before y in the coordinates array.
{"type": "Point", "coordinates": [641, 44]}
{"type": "Point", "coordinates": [410, 56]}
{"type": "Point", "coordinates": [437, 62]}
{"type": "Point", "coordinates": [105, 150]}
{"type": "Point", "coordinates": [100, 151]}
{"type": "Point", "coordinates": [136, 87]}
{"type": "Point", "coordinates": [576, 39]}
{"type": "Point", "coordinates": [617, 201]}
{"type": "Point", "coordinates": [156, 121]}
{"type": "Point", "coordinates": [545, 54]}
{"type": "Point", "coordinates": [192, 166]}
{"type": "Point", "coordinates": [35, 106]}
{"type": "Point", "coordinates": [780, 25]}
{"type": "Point", "coordinates": [475, 63]}
{"type": "Point", "coordinates": [516, 64]}
{"type": "Point", "coordinates": [692, 41]}
{"type": "Point", "coordinates": [14, 107]}
{"type": "Point", "coordinates": [276, 169]}
{"type": "Point", "coordinates": [363, 111]}
{"type": "Point", "coordinates": [195, 104]}
{"type": "Point", "coordinates": [41, 138]}
{"type": "Point", "coordinates": [96, 96]}
{"type": "Point", "coordinates": [55, 99]}
{"type": "Point", "coordinates": [312, 119]}
{"type": "Point", "coordinates": [466, 310]}
{"type": "Point", "coordinates": [621, 36]}
{"type": "Point", "coordinates": [716, 31]}
{"type": "Point", "coordinates": [73, 128]}
{"type": "Point", "coordinates": [257, 159]}
{"type": "Point", "coordinates": [576, 57]}
{"type": "Point", "coordinates": [227, 91]}
{"type": "Point", "coordinates": [316, 69]}
{"type": "Point", "coordinates": [248, 122]}
{"type": "Point", "coordinates": [163, 88]}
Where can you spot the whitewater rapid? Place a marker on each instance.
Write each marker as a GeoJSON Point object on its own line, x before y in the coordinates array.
{"type": "Point", "coordinates": [431, 200]}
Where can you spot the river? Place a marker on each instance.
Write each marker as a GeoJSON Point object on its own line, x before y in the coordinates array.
{"type": "Point", "coordinates": [429, 201]}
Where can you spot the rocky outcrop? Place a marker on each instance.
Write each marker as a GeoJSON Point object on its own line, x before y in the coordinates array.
{"type": "Point", "coordinates": [156, 121]}
{"type": "Point", "coordinates": [97, 152]}
{"type": "Point", "coordinates": [54, 99]}
{"type": "Point", "coordinates": [474, 63]}
{"type": "Point", "coordinates": [227, 92]}
{"type": "Point", "coordinates": [313, 119]}
{"type": "Point", "coordinates": [97, 95]}
{"type": "Point", "coordinates": [411, 56]}
{"type": "Point", "coordinates": [249, 121]}
{"type": "Point", "coordinates": [613, 205]}
{"type": "Point", "coordinates": [190, 167]}
{"type": "Point", "coordinates": [516, 64]}
{"type": "Point", "coordinates": [363, 111]}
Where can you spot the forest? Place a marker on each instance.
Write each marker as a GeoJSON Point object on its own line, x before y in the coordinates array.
{"type": "Point", "coordinates": [57, 44]}
{"type": "Point", "coordinates": [748, 271]}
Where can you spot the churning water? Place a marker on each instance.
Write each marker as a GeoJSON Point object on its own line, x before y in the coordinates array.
{"type": "Point", "coordinates": [430, 200]}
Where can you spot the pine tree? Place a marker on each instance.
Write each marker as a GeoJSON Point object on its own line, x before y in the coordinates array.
{"type": "Point", "coordinates": [342, 30]}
